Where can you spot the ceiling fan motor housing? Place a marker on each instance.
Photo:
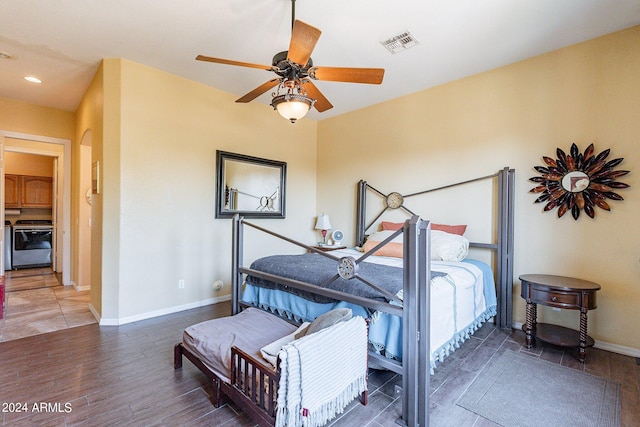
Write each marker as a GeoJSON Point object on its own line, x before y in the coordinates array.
{"type": "Point", "coordinates": [284, 66]}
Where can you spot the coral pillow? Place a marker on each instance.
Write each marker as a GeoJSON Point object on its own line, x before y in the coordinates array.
{"type": "Point", "coordinates": [452, 229]}
{"type": "Point", "coordinates": [391, 249]}
{"type": "Point", "coordinates": [444, 246]}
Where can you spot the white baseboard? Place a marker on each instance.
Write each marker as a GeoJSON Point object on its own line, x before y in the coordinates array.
{"type": "Point", "coordinates": [79, 287]}
{"type": "Point", "coordinates": [169, 310]}
{"type": "Point", "coordinates": [602, 345]}
{"type": "Point", "coordinates": [615, 348]}
{"type": "Point", "coordinates": [94, 312]}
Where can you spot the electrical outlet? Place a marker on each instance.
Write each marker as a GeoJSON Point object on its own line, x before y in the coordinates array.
{"type": "Point", "coordinates": [181, 284]}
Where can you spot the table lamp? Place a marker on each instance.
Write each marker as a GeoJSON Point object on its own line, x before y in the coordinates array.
{"type": "Point", "coordinates": [323, 223]}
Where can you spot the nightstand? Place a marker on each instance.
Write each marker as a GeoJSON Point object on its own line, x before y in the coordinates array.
{"type": "Point", "coordinates": [560, 292]}
{"type": "Point", "coordinates": [328, 248]}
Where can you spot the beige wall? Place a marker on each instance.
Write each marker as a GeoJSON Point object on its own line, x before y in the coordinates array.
{"type": "Point", "coordinates": [90, 121]}
{"type": "Point", "coordinates": [512, 116]}
{"type": "Point", "coordinates": [28, 164]}
{"type": "Point", "coordinates": [161, 133]}
{"type": "Point", "coordinates": [21, 117]}
{"type": "Point", "coordinates": [49, 123]}
{"type": "Point", "coordinates": [155, 136]}
{"type": "Point", "coordinates": [83, 280]}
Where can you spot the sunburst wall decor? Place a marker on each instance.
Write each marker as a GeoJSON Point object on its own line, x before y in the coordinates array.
{"type": "Point", "coordinates": [578, 181]}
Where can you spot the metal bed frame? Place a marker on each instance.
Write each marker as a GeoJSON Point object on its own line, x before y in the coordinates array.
{"type": "Point", "coordinates": [415, 365]}
{"type": "Point", "coordinates": [503, 247]}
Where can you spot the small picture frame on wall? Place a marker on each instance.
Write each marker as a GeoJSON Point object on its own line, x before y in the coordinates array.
{"type": "Point", "coordinates": [95, 177]}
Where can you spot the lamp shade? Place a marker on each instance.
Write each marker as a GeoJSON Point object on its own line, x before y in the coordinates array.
{"type": "Point", "coordinates": [292, 106]}
{"type": "Point", "coordinates": [323, 223]}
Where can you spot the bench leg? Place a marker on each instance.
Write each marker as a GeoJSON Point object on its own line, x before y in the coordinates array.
{"type": "Point", "coordinates": [177, 356]}
{"type": "Point", "coordinates": [218, 396]}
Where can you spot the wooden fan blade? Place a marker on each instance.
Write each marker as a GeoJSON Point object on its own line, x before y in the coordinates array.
{"type": "Point", "coordinates": [349, 75]}
{"type": "Point", "coordinates": [303, 39]}
{"type": "Point", "coordinates": [229, 62]}
{"type": "Point", "coordinates": [259, 91]}
{"type": "Point", "coordinates": [322, 103]}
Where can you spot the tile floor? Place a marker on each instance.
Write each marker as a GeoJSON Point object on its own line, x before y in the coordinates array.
{"type": "Point", "coordinates": [36, 303]}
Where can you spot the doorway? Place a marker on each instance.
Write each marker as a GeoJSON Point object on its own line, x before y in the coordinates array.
{"type": "Point", "coordinates": [61, 155]}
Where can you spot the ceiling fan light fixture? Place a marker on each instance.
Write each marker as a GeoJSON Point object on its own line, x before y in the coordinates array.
{"type": "Point", "coordinates": [292, 106]}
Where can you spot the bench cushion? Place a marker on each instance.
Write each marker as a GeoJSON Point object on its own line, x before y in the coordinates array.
{"type": "Point", "coordinates": [249, 330]}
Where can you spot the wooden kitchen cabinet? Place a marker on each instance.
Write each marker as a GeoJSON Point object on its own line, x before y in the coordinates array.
{"type": "Point", "coordinates": [11, 191]}
{"type": "Point", "coordinates": [36, 192]}
{"type": "Point", "coordinates": [22, 191]}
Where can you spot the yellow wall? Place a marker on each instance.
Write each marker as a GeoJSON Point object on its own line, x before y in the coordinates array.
{"type": "Point", "coordinates": [90, 123]}
{"type": "Point", "coordinates": [21, 117]}
{"type": "Point", "coordinates": [28, 164]}
{"type": "Point", "coordinates": [161, 133]}
{"type": "Point", "coordinates": [27, 119]}
{"type": "Point", "coordinates": [155, 136]}
{"type": "Point", "coordinates": [512, 116]}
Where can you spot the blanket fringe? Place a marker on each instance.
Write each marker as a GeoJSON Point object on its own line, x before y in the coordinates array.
{"type": "Point", "coordinates": [319, 416]}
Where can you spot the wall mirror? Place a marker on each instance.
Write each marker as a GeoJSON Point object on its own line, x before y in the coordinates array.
{"type": "Point", "coordinates": [576, 181]}
{"type": "Point", "coordinates": [251, 186]}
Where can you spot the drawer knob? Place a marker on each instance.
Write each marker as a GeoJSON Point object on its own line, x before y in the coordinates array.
{"type": "Point", "coordinates": [554, 299]}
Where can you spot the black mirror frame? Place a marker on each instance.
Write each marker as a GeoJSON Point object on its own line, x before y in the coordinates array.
{"type": "Point", "coordinates": [221, 212]}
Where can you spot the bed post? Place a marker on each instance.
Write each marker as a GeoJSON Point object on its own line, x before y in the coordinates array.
{"type": "Point", "coordinates": [362, 209]}
{"type": "Point", "coordinates": [236, 263]}
{"type": "Point", "coordinates": [504, 317]}
{"type": "Point", "coordinates": [415, 340]}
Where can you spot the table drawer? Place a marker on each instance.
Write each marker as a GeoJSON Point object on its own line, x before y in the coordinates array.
{"type": "Point", "coordinates": [554, 298]}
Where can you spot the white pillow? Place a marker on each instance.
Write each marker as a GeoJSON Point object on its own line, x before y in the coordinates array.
{"type": "Point", "coordinates": [448, 247]}
{"type": "Point", "coordinates": [444, 246]}
{"type": "Point", "coordinates": [270, 351]}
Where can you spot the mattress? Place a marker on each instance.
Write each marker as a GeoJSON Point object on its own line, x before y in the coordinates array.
{"type": "Point", "coordinates": [461, 300]}
{"type": "Point", "coordinates": [249, 330]}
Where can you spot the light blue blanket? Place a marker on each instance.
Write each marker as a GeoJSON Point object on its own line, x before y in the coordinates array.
{"type": "Point", "coordinates": [385, 333]}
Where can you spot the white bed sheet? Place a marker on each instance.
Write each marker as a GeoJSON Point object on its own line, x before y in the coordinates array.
{"type": "Point", "coordinates": [458, 306]}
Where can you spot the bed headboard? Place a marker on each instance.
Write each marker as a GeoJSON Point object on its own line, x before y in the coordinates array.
{"type": "Point", "coordinates": [503, 244]}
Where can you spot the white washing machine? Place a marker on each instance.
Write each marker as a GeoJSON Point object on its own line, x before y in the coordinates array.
{"type": "Point", "coordinates": [7, 245]}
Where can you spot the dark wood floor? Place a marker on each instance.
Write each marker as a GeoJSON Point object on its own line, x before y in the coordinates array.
{"type": "Point", "coordinates": [111, 376]}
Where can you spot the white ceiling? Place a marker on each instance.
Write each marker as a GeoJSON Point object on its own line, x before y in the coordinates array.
{"type": "Point", "coordinates": [63, 41]}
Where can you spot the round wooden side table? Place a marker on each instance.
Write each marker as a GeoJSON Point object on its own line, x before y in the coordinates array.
{"type": "Point", "coordinates": [562, 292]}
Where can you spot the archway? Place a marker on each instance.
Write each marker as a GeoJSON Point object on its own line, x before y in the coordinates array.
{"type": "Point", "coordinates": [83, 281]}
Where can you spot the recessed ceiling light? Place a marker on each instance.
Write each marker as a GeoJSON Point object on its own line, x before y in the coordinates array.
{"type": "Point", "coordinates": [5, 55]}
{"type": "Point", "coordinates": [32, 79]}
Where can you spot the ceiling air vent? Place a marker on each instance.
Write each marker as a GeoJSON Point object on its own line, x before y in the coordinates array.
{"type": "Point", "coordinates": [400, 42]}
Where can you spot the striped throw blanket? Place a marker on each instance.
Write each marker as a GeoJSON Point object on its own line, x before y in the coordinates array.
{"type": "Point", "coordinates": [321, 373]}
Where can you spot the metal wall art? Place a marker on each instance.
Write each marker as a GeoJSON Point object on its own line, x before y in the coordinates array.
{"type": "Point", "coordinates": [578, 181]}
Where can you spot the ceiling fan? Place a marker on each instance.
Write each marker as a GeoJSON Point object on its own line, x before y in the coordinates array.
{"type": "Point", "coordinates": [296, 93]}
